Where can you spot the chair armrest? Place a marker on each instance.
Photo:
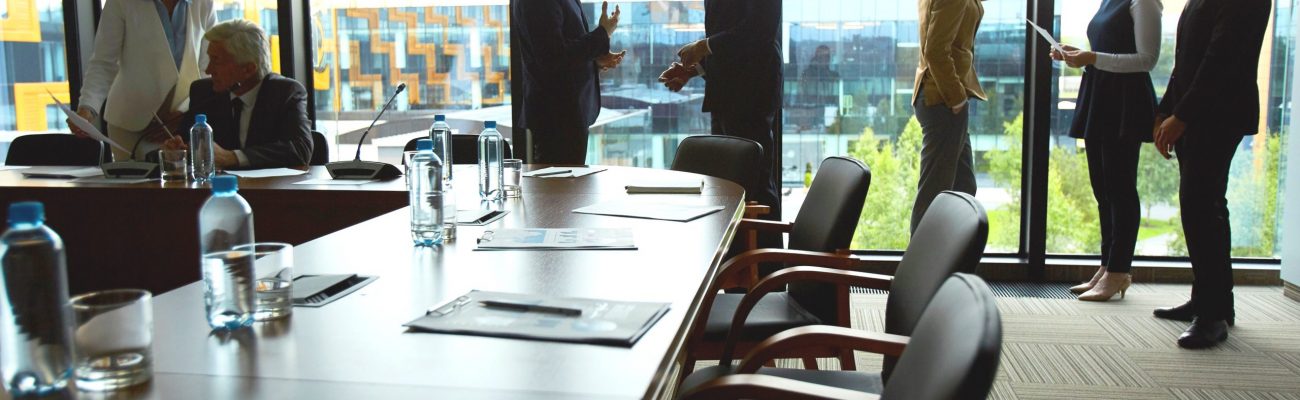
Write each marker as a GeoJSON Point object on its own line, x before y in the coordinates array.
{"type": "Point", "coordinates": [727, 273]}
{"type": "Point", "coordinates": [753, 386]}
{"type": "Point", "coordinates": [764, 225]}
{"type": "Point", "coordinates": [821, 336]}
{"type": "Point", "coordinates": [755, 210]}
{"type": "Point", "coordinates": [785, 276]}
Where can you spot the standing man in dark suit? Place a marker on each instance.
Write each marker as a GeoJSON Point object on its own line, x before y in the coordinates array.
{"type": "Point", "coordinates": [258, 118]}
{"type": "Point", "coordinates": [1211, 102]}
{"type": "Point", "coordinates": [740, 60]}
{"type": "Point", "coordinates": [562, 58]}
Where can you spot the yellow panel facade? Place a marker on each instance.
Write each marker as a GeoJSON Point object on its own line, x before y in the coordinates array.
{"type": "Point", "coordinates": [20, 24]}
{"type": "Point", "coordinates": [31, 100]}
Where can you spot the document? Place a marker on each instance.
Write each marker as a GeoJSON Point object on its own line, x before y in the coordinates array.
{"type": "Point", "coordinates": [1046, 36]}
{"type": "Point", "coordinates": [557, 239]}
{"type": "Point", "coordinates": [85, 125]}
{"type": "Point", "coordinates": [114, 181]}
{"type": "Point", "coordinates": [12, 167]}
{"type": "Point", "coordinates": [478, 217]}
{"type": "Point", "coordinates": [267, 173]}
{"type": "Point", "coordinates": [678, 186]}
{"type": "Point", "coordinates": [562, 172]}
{"type": "Point", "coordinates": [336, 182]}
{"type": "Point", "coordinates": [525, 316]}
{"type": "Point", "coordinates": [61, 172]}
{"type": "Point", "coordinates": [650, 210]}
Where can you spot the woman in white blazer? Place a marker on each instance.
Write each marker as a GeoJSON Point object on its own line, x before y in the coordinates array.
{"type": "Point", "coordinates": [132, 71]}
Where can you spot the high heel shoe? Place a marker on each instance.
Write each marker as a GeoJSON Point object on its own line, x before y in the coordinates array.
{"type": "Point", "coordinates": [1108, 286]}
{"type": "Point", "coordinates": [1086, 286]}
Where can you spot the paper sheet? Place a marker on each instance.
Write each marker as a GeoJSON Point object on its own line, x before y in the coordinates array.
{"type": "Point", "coordinates": [266, 173]}
{"type": "Point", "coordinates": [1046, 36]}
{"type": "Point", "coordinates": [61, 172]}
{"type": "Point", "coordinates": [85, 125]}
{"type": "Point", "coordinates": [336, 182]}
{"type": "Point", "coordinates": [650, 210]}
{"type": "Point", "coordinates": [12, 167]}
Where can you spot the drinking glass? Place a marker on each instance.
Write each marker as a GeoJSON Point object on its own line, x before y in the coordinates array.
{"type": "Point", "coordinates": [114, 335]}
{"type": "Point", "coordinates": [514, 169]}
{"type": "Point", "coordinates": [273, 271]}
{"type": "Point", "coordinates": [173, 165]}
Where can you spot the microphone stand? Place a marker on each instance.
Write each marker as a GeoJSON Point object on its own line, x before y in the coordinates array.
{"type": "Point", "coordinates": [357, 169]}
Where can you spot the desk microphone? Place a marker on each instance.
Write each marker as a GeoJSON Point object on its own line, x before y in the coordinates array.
{"type": "Point", "coordinates": [357, 169]}
{"type": "Point", "coordinates": [144, 169]}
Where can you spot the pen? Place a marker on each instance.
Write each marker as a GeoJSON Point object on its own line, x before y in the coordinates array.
{"type": "Point", "coordinates": [556, 172]}
{"type": "Point", "coordinates": [507, 305]}
{"type": "Point", "coordinates": [164, 126]}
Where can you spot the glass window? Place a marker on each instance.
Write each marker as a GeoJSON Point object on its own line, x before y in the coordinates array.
{"type": "Point", "coordinates": [31, 30]}
{"type": "Point", "coordinates": [453, 56]}
{"type": "Point", "coordinates": [262, 12]}
{"type": "Point", "coordinates": [1253, 192]}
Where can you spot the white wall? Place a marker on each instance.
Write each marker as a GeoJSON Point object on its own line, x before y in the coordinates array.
{"type": "Point", "coordinates": [1291, 202]}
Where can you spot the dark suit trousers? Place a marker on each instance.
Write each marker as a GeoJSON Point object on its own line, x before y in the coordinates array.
{"type": "Point", "coordinates": [1112, 168]}
{"type": "Point", "coordinates": [757, 126]}
{"type": "Point", "coordinates": [560, 146]}
{"type": "Point", "coordinates": [1204, 159]}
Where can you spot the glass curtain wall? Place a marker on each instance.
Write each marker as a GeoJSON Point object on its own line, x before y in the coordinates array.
{"type": "Point", "coordinates": [31, 31]}
{"type": "Point", "coordinates": [1253, 191]}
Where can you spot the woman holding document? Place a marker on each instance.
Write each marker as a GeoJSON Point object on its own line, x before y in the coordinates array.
{"type": "Point", "coordinates": [1114, 115]}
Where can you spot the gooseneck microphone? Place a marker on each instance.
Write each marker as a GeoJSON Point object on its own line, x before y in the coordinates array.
{"type": "Point", "coordinates": [357, 169]}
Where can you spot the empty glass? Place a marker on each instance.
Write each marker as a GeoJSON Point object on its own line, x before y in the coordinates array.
{"type": "Point", "coordinates": [273, 269]}
{"type": "Point", "coordinates": [514, 169]}
{"type": "Point", "coordinates": [114, 335]}
{"type": "Point", "coordinates": [173, 165]}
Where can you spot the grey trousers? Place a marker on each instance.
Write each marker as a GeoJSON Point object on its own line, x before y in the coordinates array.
{"type": "Point", "coordinates": [946, 157]}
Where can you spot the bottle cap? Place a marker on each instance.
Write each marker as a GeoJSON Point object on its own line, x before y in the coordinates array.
{"type": "Point", "coordinates": [26, 212]}
{"type": "Point", "coordinates": [423, 144]}
{"type": "Point", "coordinates": [200, 118]}
{"type": "Point", "coordinates": [225, 184]}
{"type": "Point", "coordinates": [439, 117]}
{"type": "Point", "coordinates": [489, 124]}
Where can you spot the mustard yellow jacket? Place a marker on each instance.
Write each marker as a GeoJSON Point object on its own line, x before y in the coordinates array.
{"type": "Point", "coordinates": [946, 71]}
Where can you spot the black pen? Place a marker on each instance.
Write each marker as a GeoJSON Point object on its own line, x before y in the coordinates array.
{"type": "Point", "coordinates": [523, 307]}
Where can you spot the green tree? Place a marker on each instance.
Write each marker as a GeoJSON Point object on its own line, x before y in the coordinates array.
{"type": "Point", "coordinates": [884, 223]}
{"type": "Point", "coordinates": [1004, 167]}
{"type": "Point", "coordinates": [1157, 179]}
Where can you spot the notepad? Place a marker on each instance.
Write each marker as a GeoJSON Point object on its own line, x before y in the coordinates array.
{"type": "Point", "coordinates": [267, 173]}
{"type": "Point", "coordinates": [61, 172]}
{"type": "Point", "coordinates": [602, 322]}
{"type": "Point", "coordinates": [679, 186]}
{"type": "Point", "coordinates": [650, 210]}
{"type": "Point", "coordinates": [557, 239]}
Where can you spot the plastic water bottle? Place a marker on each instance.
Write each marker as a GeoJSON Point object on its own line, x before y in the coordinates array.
{"type": "Point", "coordinates": [35, 315]}
{"type": "Point", "coordinates": [440, 133]}
{"type": "Point", "coordinates": [226, 222]}
{"type": "Point", "coordinates": [202, 164]}
{"type": "Point", "coordinates": [424, 174]}
{"type": "Point", "coordinates": [491, 149]}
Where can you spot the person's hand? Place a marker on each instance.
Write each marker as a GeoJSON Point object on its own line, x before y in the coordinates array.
{"type": "Point", "coordinates": [157, 133]}
{"type": "Point", "coordinates": [175, 143]}
{"type": "Point", "coordinates": [960, 107]}
{"type": "Point", "coordinates": [1079, 58]}
{"type": "Point", "coordinates": [84, 113]}
{"type": "Point", "coordinates": [224, 159]}
{"type": "Point", "coordinates": [676, 76]}
{"type": "Point", "coordinates": [607, 20]}
{"type": "Point", "coordinates": [1167, 134]}
{"type": "Point", "coordinates": [1056, 55]}
{"type": "Point", "coordinates": [610, 61]}
{"type": "Point", "coordinates": [693, 52]}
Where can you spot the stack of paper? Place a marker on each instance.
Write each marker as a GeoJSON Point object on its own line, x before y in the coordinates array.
{"type": "Point", "coordinates": [557, 239]}
{"type": "Point", "coordinates": [61, 172]}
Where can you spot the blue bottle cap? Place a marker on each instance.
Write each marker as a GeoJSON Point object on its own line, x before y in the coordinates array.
{"type": "Point", "coordinates": [201, 119]}
{"type": "Point", "coordinates": [489, 124]}
{"type": "Point", "coordinates": [439, 117]}
{"type": "Point", "coordinates": [225, 184]}
{"type": "Point", "coordinates": [424, 144]}
{"type": "Point", "coordinates": [26, 212]}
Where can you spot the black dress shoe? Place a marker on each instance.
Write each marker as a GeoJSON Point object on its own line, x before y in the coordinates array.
{"type": "Point", "coordinates": [1185, 313]}
{"type": "Point", "coordinates": [1204, 333]}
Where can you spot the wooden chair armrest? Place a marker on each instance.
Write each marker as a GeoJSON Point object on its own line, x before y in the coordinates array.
{"type": "Point", "coordinates": [728, 273]}
{"type": "Point", "coordinates": [764, 225]}
{"type": "Point", "coordinates": [780, 279]}
{"type": "Point", "coordinates": [821, 336]}
{"type": "Point", "coordinates": [753, 386]}
{"type": "Point", "coordinates": [755, 210]}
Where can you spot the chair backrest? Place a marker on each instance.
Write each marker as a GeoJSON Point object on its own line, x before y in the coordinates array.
{"type": "Point", "coordinates": [727, 157]}
{"type": "Point", "coordinates": [53, 149]}
{"type": "Point", "coordinates": [320, 152]}
{"type": "Point", "coordinates": [826, 222]}
{"type": "Point", "coordinates": [949, 239]}
{"type": "Point", "coordinates": [957, 346]}
{"type": "Point", "coordinates": [464, 148]}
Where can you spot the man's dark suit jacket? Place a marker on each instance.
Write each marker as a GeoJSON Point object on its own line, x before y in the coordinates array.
{"type": "Point", "coordinates": [1213, 86]}
{"type": "Point", "coordinates": [561, 84]}
{"type": "Point", "coordinates": [744, 72]}
{"type": "Point", "coordinates": [279, 134]}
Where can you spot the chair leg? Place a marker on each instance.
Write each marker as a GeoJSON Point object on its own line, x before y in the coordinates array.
{"type": "Point", "coordinates": [810, 363]}
{"type": "Point", "coordinates": [847, 362]}
{"type": "Point", "coordinates": [687, 368]}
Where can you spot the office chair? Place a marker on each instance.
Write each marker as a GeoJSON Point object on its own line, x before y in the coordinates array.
{"type": "Point", "coordinates": [320, 152]}
{"type": "Point", "coordinates": [55, 149]}
{"type": "Point", "coordinates": [464, 148]}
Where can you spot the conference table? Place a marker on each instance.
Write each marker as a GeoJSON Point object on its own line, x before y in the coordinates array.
{"type": "Point", "coordinates": [356, 347]}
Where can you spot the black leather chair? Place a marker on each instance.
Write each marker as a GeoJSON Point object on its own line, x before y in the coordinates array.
{"type": "Point", "coordinates": [950, 239]}
{"type": "Point", "coordinates": [464, 148]}
{"type": "Point", "coordinates": [820, 235]}
{"type": "Point", "coordinates": [727, 157]}
{"type": "Point", "coordinates": [320, 152]}
{"type": "Point", "coordinates": [953, 355]}
{"type": "Point", "coordinates": [52, 149]}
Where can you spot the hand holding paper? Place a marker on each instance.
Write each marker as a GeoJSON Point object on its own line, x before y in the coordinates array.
{"type": "Point", "coordinates": [84, 125]}
{"type": "Point", "coordinates": [1046, 36]}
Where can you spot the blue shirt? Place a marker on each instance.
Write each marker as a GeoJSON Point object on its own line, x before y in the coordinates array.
{"type": "Point", "coordinates": [174, 27]}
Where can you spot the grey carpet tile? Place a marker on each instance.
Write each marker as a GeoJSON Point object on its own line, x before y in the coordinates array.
{"type": "Point", "coordinates": [1035, 306]}
{"type": "Point", "coordinates": [1268, 336]}
{"type": "Point", "coordinates": [1054, 329]}
{"type": "Point", "coordinates": [1034, 391]}
{"type": "Point", "coordinates": [1203, 394]}
{"type": "Point", "coordinates": [1133, 305]}
{"type": "Point", "coordinates": [1146, 332]}
{"type": "Point", "coordinates": [1289, 360]}
{"type": "Point", "coordinates": [1002, 391]}
{"type": "Point", "coordinates": [1071, 365]}
{"type": "Point", "coordinates": [1216, 370]}
{"type": "Point", "coordinates": [1268, 307]}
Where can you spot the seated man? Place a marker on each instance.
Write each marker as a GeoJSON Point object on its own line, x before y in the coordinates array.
{"type": "Point", "coordinates": [258, 118]}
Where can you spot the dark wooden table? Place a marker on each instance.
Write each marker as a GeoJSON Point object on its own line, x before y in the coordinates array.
{"type": "Point", "coordinates": [356, 347]}
{"type": "Point", "coordinates": [146, 236]}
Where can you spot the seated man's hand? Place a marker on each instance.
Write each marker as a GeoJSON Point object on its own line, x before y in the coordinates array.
{"type": "Point", "coordinates": [158, 133]}
{"type": "Point", "coordinates": [224, 159]}
{"type": "Point", "coordinates": [174, 143]}
{"type": "Point", "coordinates": [610, 61]}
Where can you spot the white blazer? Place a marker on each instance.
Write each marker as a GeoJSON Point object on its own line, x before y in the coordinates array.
{"type": "Point", "coordinates": [132, 67]}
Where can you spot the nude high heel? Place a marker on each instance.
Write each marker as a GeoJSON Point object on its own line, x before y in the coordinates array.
{"type": "Point", "coordinates": [1083, 287]}
{"type": "Point", "coordinates": [1108, 286]}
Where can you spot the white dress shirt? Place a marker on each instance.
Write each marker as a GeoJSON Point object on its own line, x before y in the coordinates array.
{"type": "Point", "coordinates": [1146, 34]}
